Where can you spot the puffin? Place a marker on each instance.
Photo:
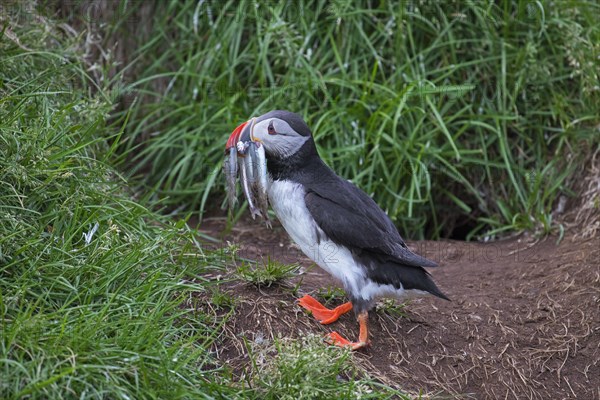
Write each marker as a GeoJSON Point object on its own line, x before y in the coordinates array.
{"type": "Point", "coordinates": [335, 224]}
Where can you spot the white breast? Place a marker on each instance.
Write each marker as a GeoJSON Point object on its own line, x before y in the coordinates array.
{"type": "Point", "coordinates": [287, 200]}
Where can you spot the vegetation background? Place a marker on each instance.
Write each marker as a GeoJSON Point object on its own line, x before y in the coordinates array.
{"type": "Point", "coordinates": [462, 119]}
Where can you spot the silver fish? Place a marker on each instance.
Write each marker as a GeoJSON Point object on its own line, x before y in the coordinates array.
{"type": "Point", "coordinates": [250, 163]}
{"type": "Point", "coordinates": [262, 182]}
{"type": "Point", "coordinates": [230, 167]}
{"type": "Point", "coordinates": [246, 188]}
{"type": "Point", "coordinates": [247, 160]}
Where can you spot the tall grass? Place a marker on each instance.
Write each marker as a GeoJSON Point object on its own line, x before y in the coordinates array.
{"type": "Point", "coordinates": [91, 282]}
{"type": "Point", "coordinates": [458, 118]}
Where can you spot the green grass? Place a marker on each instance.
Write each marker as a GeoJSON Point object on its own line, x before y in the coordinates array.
{"type": "Point", "coordinates": [331, 295]}
{"type": "Point", "coordinates": [458, 118]}
{"type": "Point", "coordinates": [392, 308]}
{"type": "Point", "coordinates": [302, 370]}
{"type": "Point", "coordinates": [84, 312]}
{"type": "Point", "coordinates": [100, 296]}
{"type": "Point", "coordinates": [267, 274]}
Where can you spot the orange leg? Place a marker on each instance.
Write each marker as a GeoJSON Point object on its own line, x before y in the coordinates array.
{"type": "Point", "coordinates": [320, 312]}
{"type": "Point", "coordinates": [363, 337]}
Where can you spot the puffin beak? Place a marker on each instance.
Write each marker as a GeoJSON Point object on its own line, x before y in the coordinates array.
{"type": "Point", "coordinates": [235, 136]}
{"type": "Point", "coordinates": [241, 137]}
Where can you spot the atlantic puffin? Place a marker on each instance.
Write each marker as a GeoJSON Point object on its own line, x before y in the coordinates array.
{"type": "Point", "coordinates": [334, 223]}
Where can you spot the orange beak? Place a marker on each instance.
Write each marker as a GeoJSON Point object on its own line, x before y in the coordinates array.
{"type": "Point", "coordinates": [235, 136]}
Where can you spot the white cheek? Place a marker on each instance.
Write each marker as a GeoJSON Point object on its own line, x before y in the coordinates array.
{"type": "Point", "coordinates": [285, 145]}
{"type": "Point", "coordinates": [281, 145]}
{"type": "Point", "coordinates": [262, 137]}
{"type": "Point", "coordinates": [260, 131]}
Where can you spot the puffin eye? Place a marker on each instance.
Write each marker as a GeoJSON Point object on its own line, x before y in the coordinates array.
{"type": "Point", "coordinates": [271, 129]}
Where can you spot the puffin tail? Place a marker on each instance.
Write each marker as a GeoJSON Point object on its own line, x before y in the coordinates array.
{"type": "Point", "coordinates": [434, 290]}
{"type": "Point", "coordinates": [407, 276]}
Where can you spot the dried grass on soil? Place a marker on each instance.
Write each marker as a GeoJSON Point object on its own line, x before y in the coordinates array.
{"type": "Point", "coordinates": [524, 322]}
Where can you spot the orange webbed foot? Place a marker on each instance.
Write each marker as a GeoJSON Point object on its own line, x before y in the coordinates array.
{"type": "Point", "coordinates": [336, 339]}
{"type": "Point", "coordinates": [323, 314]}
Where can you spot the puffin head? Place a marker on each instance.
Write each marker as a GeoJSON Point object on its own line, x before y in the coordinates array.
{"type": "Point", "coordinates": [282, 133]}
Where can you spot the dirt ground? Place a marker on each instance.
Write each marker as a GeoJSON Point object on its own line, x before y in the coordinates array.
{"type": "Point", "coordinates": [523, 323]}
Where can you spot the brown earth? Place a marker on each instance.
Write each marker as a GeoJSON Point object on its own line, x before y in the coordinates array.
{"type": "Point", "coordinates": [523, 323]}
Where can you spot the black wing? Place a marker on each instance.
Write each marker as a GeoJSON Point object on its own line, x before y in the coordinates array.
{"type": "Point", "coordinates": [351, 218]}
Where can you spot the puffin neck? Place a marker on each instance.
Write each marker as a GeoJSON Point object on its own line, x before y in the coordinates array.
{"type": "Point", "coordinates": [287, 168]}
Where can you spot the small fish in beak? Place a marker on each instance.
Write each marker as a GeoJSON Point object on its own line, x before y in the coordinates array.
{"type": "Point", "coordinates": [230, 168]}
{"type": "Point", "coordinates": [245, 170]}
{"type": "Point", "coordinates": [245, 157]}
{"type": "Point", "coordinates": [262, 181]}
{"type": "Point", "coordinates": [230, 165]}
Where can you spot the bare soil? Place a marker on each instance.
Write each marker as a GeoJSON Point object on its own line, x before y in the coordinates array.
{"type": "Point", "coordinates": [523, 323]}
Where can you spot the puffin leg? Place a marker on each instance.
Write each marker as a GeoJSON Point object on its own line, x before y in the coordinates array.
{"type": "Point", "coordinates": [323, 314]}
{"type": "Point", "coordinates": [363, 337]}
